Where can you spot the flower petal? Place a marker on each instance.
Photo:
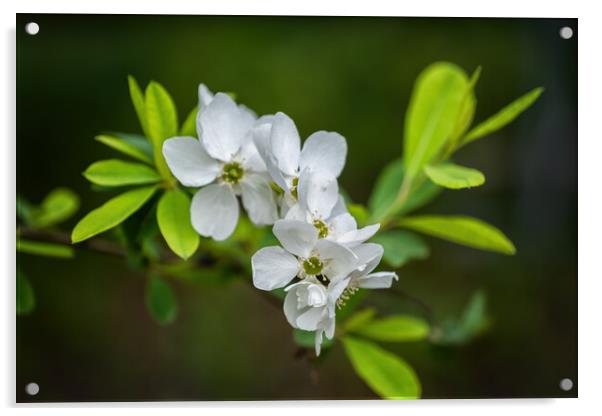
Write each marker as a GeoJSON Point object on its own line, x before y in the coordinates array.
{"type": "Point", "coordinates": [273, 268]}
{"type": "Point", "coordinates": [369, 255]}
{"type": "Point", "coordinates": [285, 144]}
{"type": "Point", "coordinates": [318, 193]}
{"type": "Point", "coordinates": [354, 237]}
{"type": "Point", "coordinates": [339, 208]}
{"type": "Point", "coordinates": [342, 224]}
{"type": "Point", "coordinates": [189, 162]}
{"type": "Point", "coordinates": [214, 211]}
{"type": "Point", "coordinates": [380, 280]}
{"type": "Point", "coordinates": [291, 311]}
{"type": "Point", "coordinates": [309, 319]}
{"type": "Point", "coordinates": [296, 237]}
{"type": "Point", "coordinates": [223, 127]}
{"type": "Point", "coordinates": [340, 260]}
{"type": "Point", "coordinates": [296, 212]}
{"type": "Point", "coordinates": [258, 199]}
{"type": "Point", "coordinates": [324, 151]}
{"type": "Point", "coordinates": [251, 160]}
{"type": "Point", "coordinates": [205, 96]}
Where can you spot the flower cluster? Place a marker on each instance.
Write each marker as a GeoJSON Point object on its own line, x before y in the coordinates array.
{"type": "Point", "coordinates": [323, 257]}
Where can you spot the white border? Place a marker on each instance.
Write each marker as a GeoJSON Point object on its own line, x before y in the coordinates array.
{"type": "Point", "coordinates": [590, 152]}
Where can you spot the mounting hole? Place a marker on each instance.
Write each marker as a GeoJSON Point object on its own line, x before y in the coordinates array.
{"type": "Point", "coordinates": [32, 389]}
{"type": "Point", "coordinates": [32, 28]}
{"type": "Point", "coordinates": [566, 384]}
{"type": "Point", "coordinates": [566, 32]}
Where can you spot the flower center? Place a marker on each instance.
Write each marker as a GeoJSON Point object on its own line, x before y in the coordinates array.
{"type": "Point", "coordinates": [312, 266]}
{"type": "Point", "coordinates": [347, 293]}
{"type": "Point", "coordinates": [322, 228]}
{"type": "Point", "coordinates": [294, 192]}
{"type": "Point", "coordinates": [232, 173]}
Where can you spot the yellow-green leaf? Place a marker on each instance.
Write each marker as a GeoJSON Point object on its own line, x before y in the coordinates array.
{"type": "Point", "coordinates": [58, 206]}
{"type": "Point", "coordinates": [397, 328]}
{"type": "Point", "coordinates": [138, 102]}
{"type": "Point", "coordinates": [468, 231]}
{"type": "Point", "coordinates": [162, 122]}
{"type": "Point", "coordinates": [452, 176]}
{"type": "Point", "coordinates": [112, 213]}
{"type": "Point", "coordinates": [385, 373]}
{"type": "Point", "coordinates": [189, 126]}
{"type": "Point", "coordinates": [161, 301]}
{"type": "Point", "coordinates": [432, 114]}
{"type": "Point", "coordinates": [173, 217]}
{"type": "Point", "coordinates": [115, 172]}
{"type": "Point", "coordinates": [124, 146]}
{"type": "Point", "coordinates": [503, 117]}
{"type": "Point", "coordinates": [44, 249]}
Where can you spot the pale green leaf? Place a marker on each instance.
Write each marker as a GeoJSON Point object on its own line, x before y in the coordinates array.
{"type": "Point", "coordinates": [115, 172]}
{"type": "Point", "coordinates": [125, 146]}
{"type": "Point", "coordinates": [111, 213]}
{"type": "Point", "coordinates": [44, 249]}
{"type": "Point", "coordinates": [161, 301]}
{"type": "Point", "coordinates": [503, 117]}
{"type": "Point", "coordinates": [26, 300]}
{"type": "Point", "coordinates": [387, 188]}
{"type": "Point", "coordinates": [162, 122]}
{"type": "Point", "coordinates": [138, 102]}
{"type": "Point", "coordinates": [58, 206]}
{"type": "Point", "coordinates": [452, 176]}
{"type": "Point", "coordinates": [385, 373]}
{"type": "Point", "coordinates": [359, 319]}
{"type": "Point", "coordinates": [189, 126]}
{"type": "Point", "coordinates": [173, 217]}
{"type": "Point", "coordinates": [397, 328]}
{"type": "Point", "coordinates": [432, 113]}
{"type": "Point", "coordinates": [471, 323]}
{"type": "Point", "coordinates": [401, 247]}
{"type": "Point", "coordinates": [468, 231]}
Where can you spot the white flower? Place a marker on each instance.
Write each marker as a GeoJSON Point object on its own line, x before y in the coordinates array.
{"type": "Point", "coordinates": [304, 255]}
{"type": "Point", "coordinates": [338, 226]}
{"type": "Point", "coordinates": [369, 256]}
{"type": "Point", "coordinates": [206, 96]}
{"type": "Point", "coordinates": [311, 306]}
{"type": "Point", "coordinates": [307, 174]}
{"type": "Point", "coordinates": [224, 163]}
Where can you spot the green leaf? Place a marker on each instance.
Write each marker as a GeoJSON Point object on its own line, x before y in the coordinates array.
{"type": "Point", "coordinates": [160, 301]}
{"type": "Point", "coordinates": [359, 212]}
{"type": "Point", "coordinates": [173, 217]}
{"type": "Point", "coordinates": [111, 213]}
{"type": "Point", "coordinates": [432, 113]}
{"type": "Point", "coordinates": [26, 300]}
{"type": "Point", "coordinates": [115, 172]}
{"type": "Point", "coordinates": [387, 188]}
{"type": "Point", "coordinates": [397, 328]}
{"type": "Point", "coordinates": [449, 175]}
{"type": "Point", "coordinates": [44, 249]}
{"type": "Point", "coordinates": [189, 126]}
{"type": "Point", "coordinates": [162, 122]}
{"type": "Point", "coordinates": [462, 230]}
{"type": "Point", "coordinates": [401, 247]}
{"type": "Point", "coordinates": [467, 108]}
{"type": "Point", "coordinates": [138, 102]}
{"type": "Point", "coordinates": [503, 117]}
{"type": "Point", "coordinates": [125, 146]}
{"type": "Point", "coordinates": [471, 323]}
{"type": "Point", "coordinates": [58, 206]}
{"type": "Point", "coordinates": [385, 373]}
{"type": "Point", "coordinates": [359, 319]}
{"type": "Point", "coordinates": [307, 339]}
{"type": "Point", "coordinates": [25, 210]}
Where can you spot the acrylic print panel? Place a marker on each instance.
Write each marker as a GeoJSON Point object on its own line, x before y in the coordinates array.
{"type": "Point", "coordinates": [172, 245]}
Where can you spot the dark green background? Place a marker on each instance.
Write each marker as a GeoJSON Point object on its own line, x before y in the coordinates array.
{"type": "Point", "coordinates": [91, 338]}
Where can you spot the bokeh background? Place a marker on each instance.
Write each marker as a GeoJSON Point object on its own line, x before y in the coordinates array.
{"type": "Point", "coordinates": [91, 338]}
